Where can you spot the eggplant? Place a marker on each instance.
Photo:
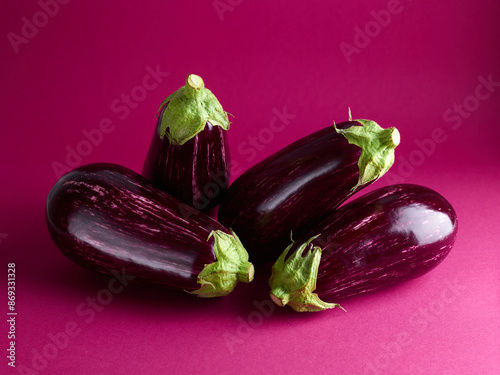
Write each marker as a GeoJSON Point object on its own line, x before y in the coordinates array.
{"type": "Point", "coordinates": [385, 237]}
{"type": "Point", "coordinates": [298, 186]}
{"type": "Point", "coordinates": [108, 218]}
{"type": "Point", "coordinates": [189, 155]}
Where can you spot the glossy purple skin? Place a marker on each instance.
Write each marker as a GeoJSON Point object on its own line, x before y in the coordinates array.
{"type": "Point", "coordinates": [196, 172]}
{"type": "Point", "coordinates": [385, 237]}
{"type": "Point", "coordinates": [106, 217]}
{"type": "Point", "coordinates": [290, 190]}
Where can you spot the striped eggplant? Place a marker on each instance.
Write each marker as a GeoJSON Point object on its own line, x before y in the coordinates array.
{"type": "Point", "coordinates": [300, 185]}
{"type": "Point", "coordinates": [385, 237]}
{"type": "Point", "coordinates": [189, 156]}
{"type": "Point", "coordinates": [108, 218]}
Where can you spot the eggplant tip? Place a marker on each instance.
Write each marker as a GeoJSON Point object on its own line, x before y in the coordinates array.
{"type": "Point", "coordinates": [276, 300]}
{"type": "Point", "coordinates": [195, 81]}
{"type": "Point", "coordinates": [251, 273]}
{"type": "Point", "coordinates": [396, 137]}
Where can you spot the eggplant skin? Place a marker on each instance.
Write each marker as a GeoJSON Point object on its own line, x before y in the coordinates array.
{"type": "Point", "coordinates": [291, 190]}
{"type": "Point", "coordinates": [385, 237]}
{"type": "Point", "coordinates": [106, 217]}
{"type": "Point", "coordinates": [196, 172]}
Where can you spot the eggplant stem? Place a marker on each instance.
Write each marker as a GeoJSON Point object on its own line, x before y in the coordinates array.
{"type": "Point", "coordinates": [377, 148]}
{"type": "Point", "coordinates": [219, 278]}
{"type": "Point", "coordinates": [293, 280]}
{"type": "Point", "coordinates": [188, 111]}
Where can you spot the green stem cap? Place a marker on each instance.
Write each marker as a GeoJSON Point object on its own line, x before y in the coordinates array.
{"type": "Point", "coordinates": [293, 281]}
{"type": "Point", "coordinates": [377, 148]}
{"type": "Point", "coordinates": [188, 111]}
{"type": "Point", "coordinates": [219, 278]}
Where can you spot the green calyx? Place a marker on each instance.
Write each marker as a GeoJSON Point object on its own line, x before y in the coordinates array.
{"type": "Point", "coordinates": [293, 281]}
{"type": "Point", "coordinates": [188, 111]}
{"type": "Point", "coordinates": [377, 148]}
{"type": "Point", "coordinates": [219, 278]}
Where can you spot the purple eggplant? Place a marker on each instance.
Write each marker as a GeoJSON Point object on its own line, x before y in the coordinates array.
{"type": "Point", "coordinates": [300, 185]}
{"type": "Point", "coordinates": [189, 156]}
{"type": "Point", "coordinates": [385, 237]}
{"type": "Point", "coordinates": [106, 217]}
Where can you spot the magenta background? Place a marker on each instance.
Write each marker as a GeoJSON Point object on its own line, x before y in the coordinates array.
{"type": "Point", "coordinates": [257, 57]}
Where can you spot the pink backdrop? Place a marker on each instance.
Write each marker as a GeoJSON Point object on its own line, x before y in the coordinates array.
{"type": "Point", "coordinates": [431, 69]}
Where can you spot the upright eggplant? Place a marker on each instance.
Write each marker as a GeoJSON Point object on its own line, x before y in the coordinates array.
{"type": "Point", "coordinates": [188, 156]}
{"type": "Point", "coordinates": [106, 217]}
{"type": "Point", "coordinates": [385, 237]}
{"type": "Point", "coordinates": [300, 185]}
